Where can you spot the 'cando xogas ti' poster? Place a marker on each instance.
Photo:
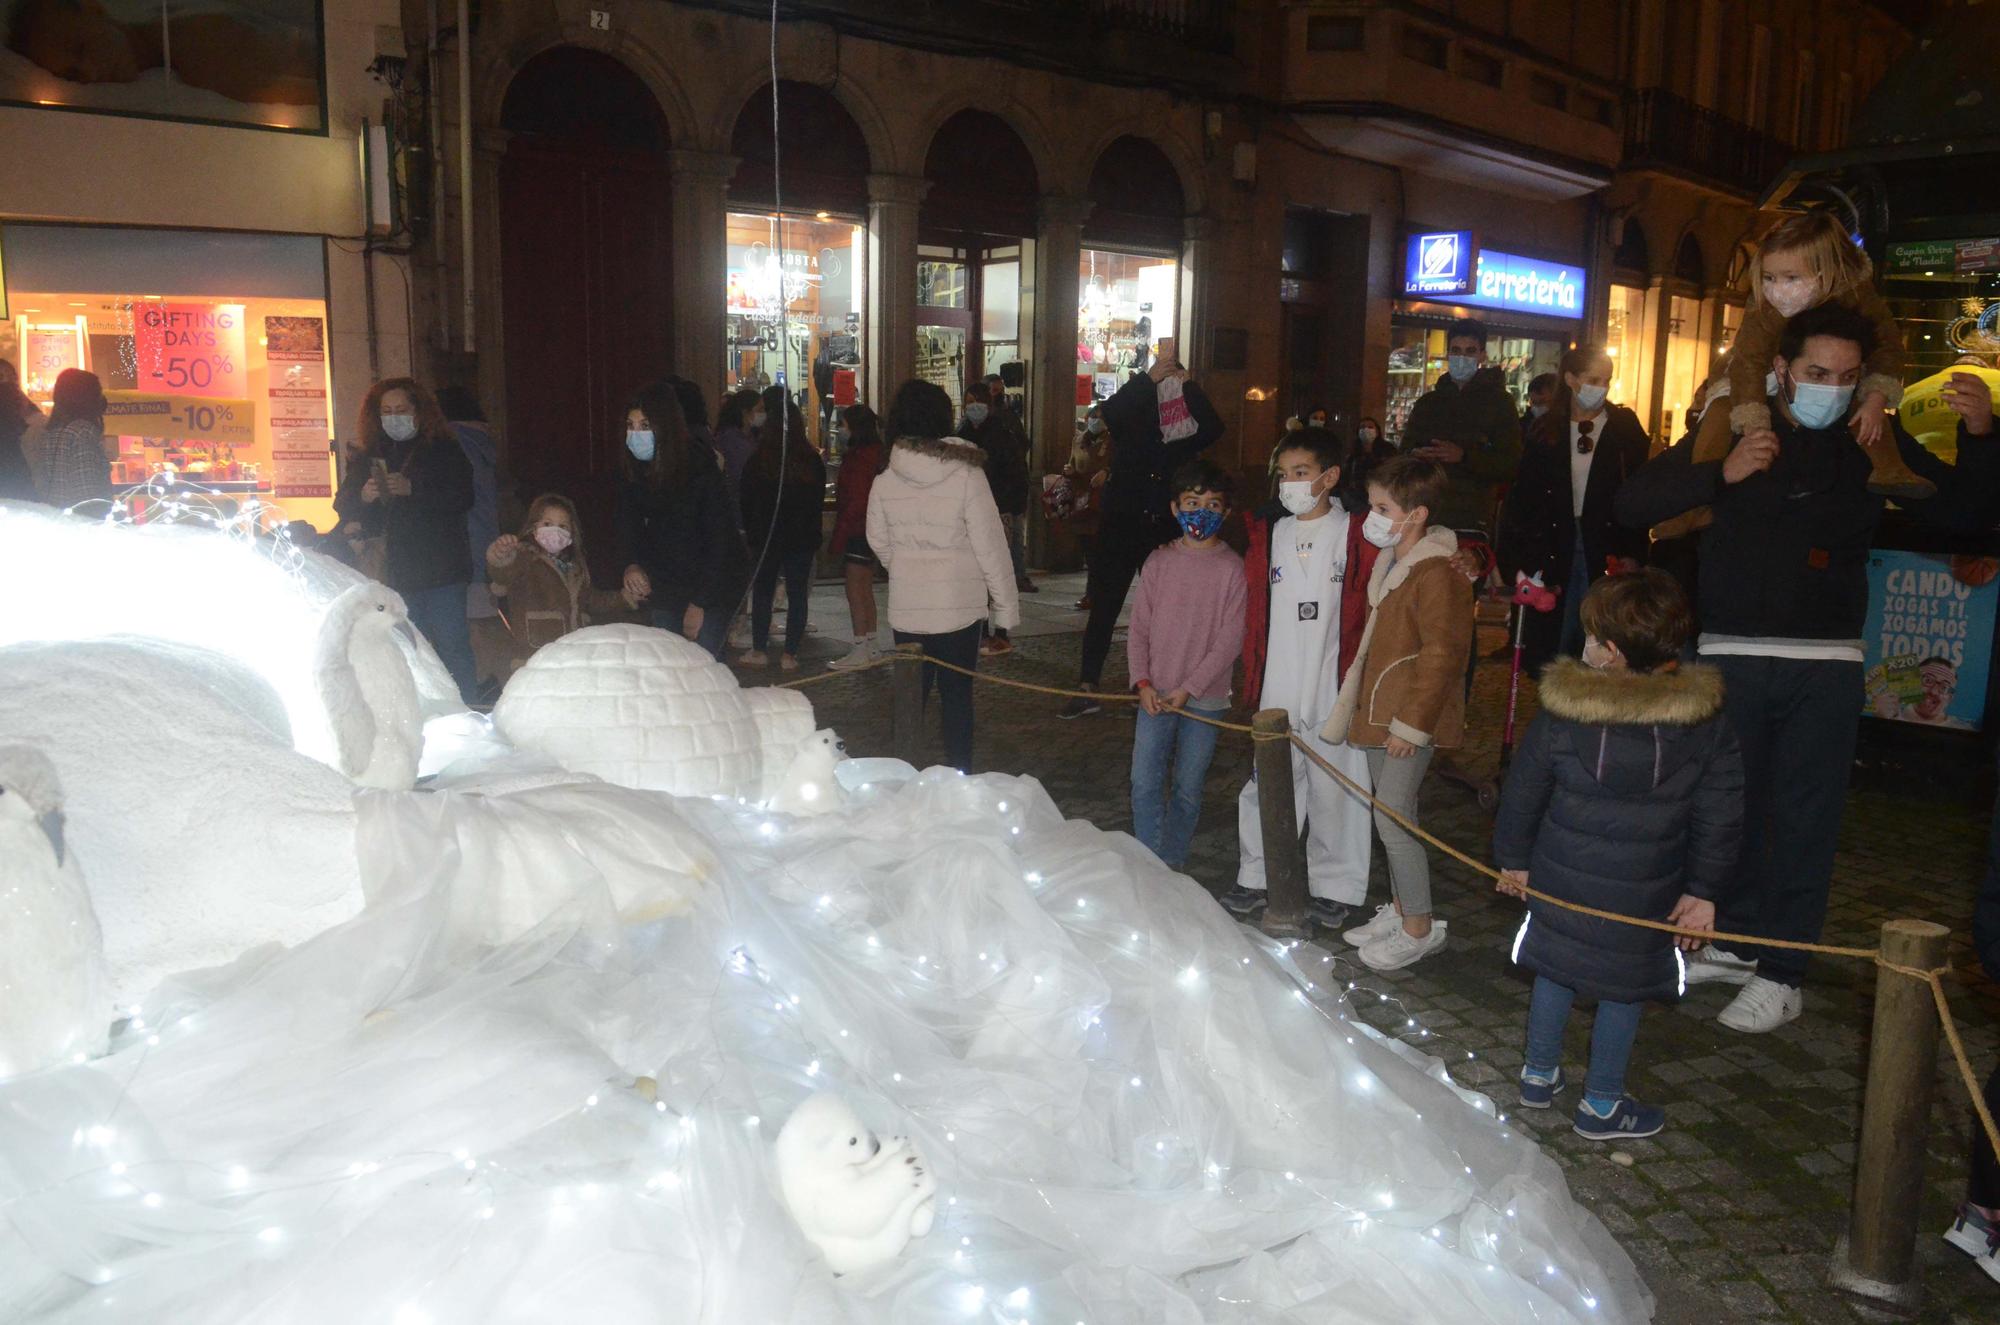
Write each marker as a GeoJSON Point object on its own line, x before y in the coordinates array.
{"type": "Point", "coordinates": [1928, 641]}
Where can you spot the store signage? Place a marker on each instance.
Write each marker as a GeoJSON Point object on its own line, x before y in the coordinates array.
{"type": "Point", "coordinates": [295, 354]}
{"type": "Point", "coordinates": [1526, 285]}
{"type": "Point", "coordinates": [1929, 638]}
{"type": "Point", "coordinates": [1928, 255]}
{"type": "Point", "coordinates": [190, 349]}
{"type": "Point", "coordinates": [1977, 255]}
{"type": "Point", "coordinates": [1442, 263]}
{"type": "Point", "coordinates": [180, 418]}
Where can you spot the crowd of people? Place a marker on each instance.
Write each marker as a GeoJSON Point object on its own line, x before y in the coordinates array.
{"type": "Point", "coordinates": [1698, 716]}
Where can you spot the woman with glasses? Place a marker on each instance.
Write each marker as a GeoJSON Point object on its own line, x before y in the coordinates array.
{"type": "Point", "coordinates": [1558, 520]}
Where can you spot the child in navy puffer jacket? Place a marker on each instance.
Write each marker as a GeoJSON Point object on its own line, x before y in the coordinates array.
{"type": "Point", "coordinates": [1627, 796]}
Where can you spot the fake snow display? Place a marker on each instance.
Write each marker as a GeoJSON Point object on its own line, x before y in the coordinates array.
{"type": "Point", "coordinates": [53, 994]}
{"type": "Point", "coordinates": [1127, 1108]}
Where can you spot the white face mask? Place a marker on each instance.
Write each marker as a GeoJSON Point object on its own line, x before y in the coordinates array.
{"type": "Point", "coordinates": [553, 539]}
{"type": "Point", "coordinates": [399, 427]}
{"type": "Point", "coordinates": [1791, 296]}
{"type": "Point", "coordinates": [1819, 404]}
{"type": "Point", "coordinates": [1297, 495]}
{"type": "Point", "coordinates": [1380, 530]}
{"type": "Point", "coordinates": [1590, 395]}
{"type": "Point", "coordinates": [1597, 654]}
{"type": "Point", "coordinates": [757, 419]}
{"type": "Point", "coordinates": [1536, 411]}
{"type": "Point", "coordinates": [975, 414]}
{"type": "Point", "coordinates": [1366, 434]}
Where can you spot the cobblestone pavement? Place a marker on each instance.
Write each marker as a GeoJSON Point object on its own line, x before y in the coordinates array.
{"type": "Point", "coordinates": [1732, 1212]}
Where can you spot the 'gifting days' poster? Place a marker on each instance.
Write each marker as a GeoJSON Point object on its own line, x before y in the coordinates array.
{"type": "Point", "coordinates": [1929, 637]}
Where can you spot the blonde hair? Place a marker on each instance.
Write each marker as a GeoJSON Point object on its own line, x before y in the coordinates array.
{"type": "Point", "coordinates": [1840, 265]}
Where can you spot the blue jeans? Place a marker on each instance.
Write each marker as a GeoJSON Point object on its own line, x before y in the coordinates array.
{"type": "Point", "coordinates": [714, 631]}
{"type": "Point", "coordinates": [1163, 825]}
{"type": "Point", "coordinates": [439, 616]}
{"type": "Point", "coordinates": [1611, 1037]}
{"type": "Point", "coordinates": [1570, 645]}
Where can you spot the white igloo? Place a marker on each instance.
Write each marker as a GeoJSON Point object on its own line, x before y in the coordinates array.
{"type": "Point", "coordinates": [645, 708]}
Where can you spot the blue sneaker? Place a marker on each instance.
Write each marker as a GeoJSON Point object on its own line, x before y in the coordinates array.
{"type": "Point", "coordinates": [1536, 1094]}
{"type": "Point", "coordinates": [1629, 1121]}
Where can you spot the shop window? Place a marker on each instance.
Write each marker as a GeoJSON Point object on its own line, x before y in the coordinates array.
{"type": "Point", "coordinates": [796, 296]}
{"type": "Point", "coordinates": [1416, 357]}
{"type": "Point", "coordinates": [1687, 362]}
{"type": "Point", "coordinates": [212, 350]}
{"type": "Point", "coordinates": [1625, 342]}
{"type": "Point", "coordinates": [1125, 304]}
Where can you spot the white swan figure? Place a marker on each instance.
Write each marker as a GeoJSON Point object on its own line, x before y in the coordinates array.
{"type": "Point", "coordinates": [370, 695]}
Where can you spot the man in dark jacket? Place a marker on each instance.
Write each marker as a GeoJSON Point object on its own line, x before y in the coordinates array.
{"type": "Point", "coordinates": [995, 429]}
{"type": "Point", "coordinates": [1138, 495]}
{"type": "Point", "coordinates": [1467, 424]}
{"type": "Point", "coordinates": [1784, 595]}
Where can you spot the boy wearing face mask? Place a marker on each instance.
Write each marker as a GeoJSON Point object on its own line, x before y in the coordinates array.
{"type": "Point", "coordinates": [1306, 572]}
{"type": "Point", "coordinates": [1401, 700]}
{"type": "Point", "coordinates": [1467, 424]}
{"type": "Point", "coordinates": [1186, 634]}
{"type": "Point", "coordinates": [1626, 795]}
{"type": "Point", "coordinates": [542, 583]}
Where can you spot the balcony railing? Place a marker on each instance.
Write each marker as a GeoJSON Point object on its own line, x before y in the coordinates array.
{"type": "Point", "coordinates": [1203, 21]}
{"type": "Point", "coordinates": [1665, 129]}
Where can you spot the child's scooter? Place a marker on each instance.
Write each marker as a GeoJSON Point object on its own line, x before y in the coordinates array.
{"type": "Point", "coordinates": [1530, 595]}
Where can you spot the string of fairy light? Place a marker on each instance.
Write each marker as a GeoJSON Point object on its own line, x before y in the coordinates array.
{"type": "Point", "coordinates": [1341, 1004]}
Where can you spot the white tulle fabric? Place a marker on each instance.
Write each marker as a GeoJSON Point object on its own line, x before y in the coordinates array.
{"type": "Point", "coordinates": [1135, 1111]}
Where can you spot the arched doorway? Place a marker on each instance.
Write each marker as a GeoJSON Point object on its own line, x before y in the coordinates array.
{"type": "Point", "coordinates": [1128, 277]}
{"type": "Point", "coordinates": [975, 231]}
{"type": "Point", "coordinates": [797, 251]}
{"type": "Point", "coordinates": [586, 274]}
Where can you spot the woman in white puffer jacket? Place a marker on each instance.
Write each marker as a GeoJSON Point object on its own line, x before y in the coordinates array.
{"type": "Point", "coordinates": [934, 527]}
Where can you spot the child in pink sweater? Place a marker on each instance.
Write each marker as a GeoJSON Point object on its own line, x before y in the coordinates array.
{"type": "Point", "coordinates": [1186, 634]}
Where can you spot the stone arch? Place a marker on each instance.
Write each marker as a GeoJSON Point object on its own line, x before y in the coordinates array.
{"type": "Point", "coordinates": [1185, 160]}
{"type": "Point", "coordinates": [854, 99]}
{"type": "Point", "coordinates": [1632, 256]}
{"type": "Point", "coordinates": [1136, 196]}
{"type": "Point", "coordinates": [494, 74]}
{"type": "Point", "coordinates": [983, 177]}
{"type": "Point", "coordinates": [824, 162]}
{"type": "Point", "coordinates": [1689, 265]}
{"type": "Point", "coordinates": [1028, 127]}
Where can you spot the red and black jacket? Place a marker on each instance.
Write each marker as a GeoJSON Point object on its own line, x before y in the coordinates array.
{"type": "Point", "coordinates": [1361, 555]}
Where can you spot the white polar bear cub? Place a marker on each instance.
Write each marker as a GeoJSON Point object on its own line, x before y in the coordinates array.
{"type": "Point", "coordinates": [858, 1199]}
{"type": "Point", "coordinates": [809, 785]}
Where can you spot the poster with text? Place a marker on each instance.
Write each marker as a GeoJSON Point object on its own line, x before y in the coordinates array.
{"type": "Point", "coordinates": [190, 349]}
{"type": "Point", "coordinates": [254, 62]}
{"type": "Point", "coordinates": [1929, 638]}
{"type": "Point", "coordinates": [295, 362]}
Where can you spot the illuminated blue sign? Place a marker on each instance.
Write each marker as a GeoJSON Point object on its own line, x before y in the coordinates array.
{"type": "Point", "coordinates": [1526, 285]}
{"type": "Point", "coordinates": [1440, 264]}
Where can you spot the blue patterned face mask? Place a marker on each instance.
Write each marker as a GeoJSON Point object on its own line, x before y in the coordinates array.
{"type": "Point", "coordinates": [1200, 525]}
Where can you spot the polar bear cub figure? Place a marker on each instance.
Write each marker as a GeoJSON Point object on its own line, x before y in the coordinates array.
{"type": "Point", "coordinates": [809, 786]}
{"type": "Point", "coordinates": [857, 1198]}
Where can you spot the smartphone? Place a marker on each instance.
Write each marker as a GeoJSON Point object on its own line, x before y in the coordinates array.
{"type": "Point", "coordinates": [379, 471]}
{"type": "Point", "coordinates": [1169, 350]}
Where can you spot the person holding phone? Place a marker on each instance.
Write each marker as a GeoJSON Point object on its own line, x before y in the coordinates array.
{"type": "Point", "coordinates": [410, 484]}
{"type": "Point", "coordinates": [1158, 421]}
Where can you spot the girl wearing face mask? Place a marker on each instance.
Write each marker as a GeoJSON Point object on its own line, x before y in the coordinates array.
{"type": "Point", "coordinates": [683, 542]}
{"type": "Point", "coordinates": [1808, 260]}
{"type": "Point", "coordinates": [1558, 521]}
{"type": "Point", "coordinates": [542, 583]}
{"type": "Point", "coordinates": [410, 485]}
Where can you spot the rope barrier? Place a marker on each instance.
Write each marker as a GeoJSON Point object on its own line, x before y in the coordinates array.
{"type": "Point", "coordinates": [1872, 955]}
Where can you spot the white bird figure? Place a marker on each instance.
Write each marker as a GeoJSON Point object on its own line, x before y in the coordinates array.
{"type": "Point", "coordinates": [370, 694]}
{"type": "Point", "coordinates": [858, 1199]}
{"type": "Point", "coordinates": [809, 786]}
{"type": "Point", "coordinates": [55, 1000]}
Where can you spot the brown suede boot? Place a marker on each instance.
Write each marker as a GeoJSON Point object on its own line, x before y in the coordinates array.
{"type": "Point", "coordinates": [1890, 476]}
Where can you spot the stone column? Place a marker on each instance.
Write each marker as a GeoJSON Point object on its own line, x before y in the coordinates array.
{"type": "Point", "coordinates": [1058, 252]}
{"type": "Point", "coordinates": [892, 285]}
{"type": "Point", "coordinates": [1196, 314]}
{"type": "Point", "coordinates": [701, 260]}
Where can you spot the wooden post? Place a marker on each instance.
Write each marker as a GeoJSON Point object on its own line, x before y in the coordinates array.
{"type": "Point", "coordinates": [907, 716]}
{"type": "Point", "coordinates": [1284, 859]}
{"type": "Point", "coordinates": [1877, 1257]}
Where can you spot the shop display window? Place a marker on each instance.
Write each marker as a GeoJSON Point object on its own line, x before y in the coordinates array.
{"type": "Point", "coordinates": [944, 321]}
{"type": "Point", "coordinates": [796, 299]}
{"type": "Point", "coordinates": [1945, 295]}
{"type": "Point", "coordinates": [1625, 342]}
{"type": "Point", "coordinates": [227, 393]}
{"type": "Point", "coordinates": [1417, 361]}
{"type": "Point", "coordinates": [1125, 304]}
{"type": "Point", "coordinates": [1688, 362]}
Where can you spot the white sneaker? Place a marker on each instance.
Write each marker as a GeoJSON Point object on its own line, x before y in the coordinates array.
{"type": "Point", "coordinates": [1386, 922]}
{"type": "Point", "coordinates": [1399, 949]}
{"type": "Point", "coordinates": [1764, 1005]}
{"type": "Point", "coordinates": [1978, 1239]}
{"type": "Point", "coordinates": [860, 655]}
{"type": "Point", "coordinates": [1709, 964]}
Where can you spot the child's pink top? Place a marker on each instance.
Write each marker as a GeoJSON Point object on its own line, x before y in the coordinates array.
{"type": "Point", "coordinates": [1187, 621]}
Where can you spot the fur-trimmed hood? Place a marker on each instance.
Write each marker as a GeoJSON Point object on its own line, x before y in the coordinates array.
{"type": "Point", "coordinates": [1685, 697]}
{"type": "Point", "coordinates": [923, 461]}
{"type": "Point", "coordinates": [1633, 731]}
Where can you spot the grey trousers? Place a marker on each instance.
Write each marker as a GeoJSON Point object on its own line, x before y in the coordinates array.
{"type": "Point", "coordinates": [1396, 782]}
